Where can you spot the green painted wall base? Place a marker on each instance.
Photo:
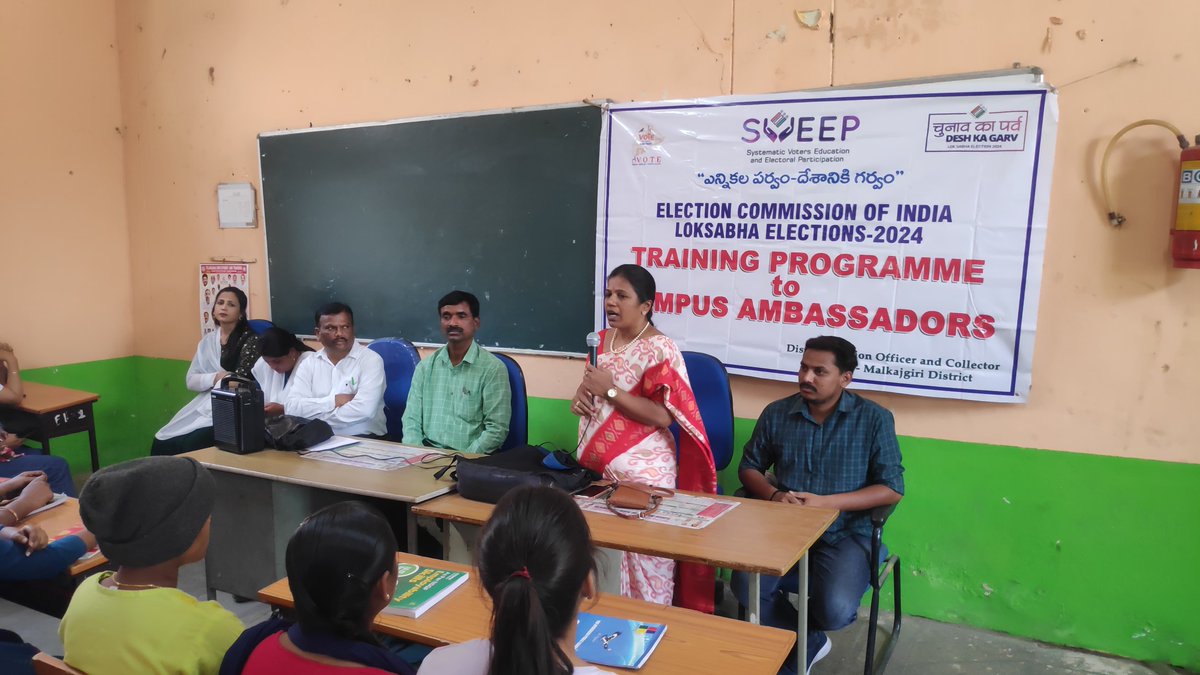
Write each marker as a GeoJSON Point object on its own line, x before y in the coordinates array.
{"type": "Point", "coordinates": [1083, 550]}
{"type": "Point", "coordinates": [137, 396]}
{"type": "Point", "coordinates": [1080, 550]}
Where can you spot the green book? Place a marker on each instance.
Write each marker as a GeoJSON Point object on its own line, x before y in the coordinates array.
{"type": "Point", "coordinates": [419, 587]}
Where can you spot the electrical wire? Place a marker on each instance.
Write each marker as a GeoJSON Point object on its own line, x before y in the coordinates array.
{"type": "Point", "coordinates": [1114, 218]}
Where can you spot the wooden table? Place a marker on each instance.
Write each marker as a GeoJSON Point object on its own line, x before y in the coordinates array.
{"type": "Point", "coordinates": [64, 517]}
{"type": "Point", "coordinates": [263, 497]}
{"type": "Point", "coordinates": [694, 642]}
{"type": "Point", "coordinates": [758, 537]}
{"type": "Point", "coordinates": [58, 411]}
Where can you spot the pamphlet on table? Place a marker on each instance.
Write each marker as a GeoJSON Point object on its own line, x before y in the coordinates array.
{"type": "Point", "coordinates": [679, 510]}
{"type": "Point", "coordinates": [621, 643]}
{"type": "Point", "coordinates": [88, 554]}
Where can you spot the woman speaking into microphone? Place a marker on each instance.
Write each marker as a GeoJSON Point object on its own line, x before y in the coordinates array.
{"type": "Point", "coordinates": [626, 403]}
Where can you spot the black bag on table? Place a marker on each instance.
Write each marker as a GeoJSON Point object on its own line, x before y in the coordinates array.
{"type": "Point", "coordinates": [488, 478]}
{"type": "Point", "coordinates": [290, 432]}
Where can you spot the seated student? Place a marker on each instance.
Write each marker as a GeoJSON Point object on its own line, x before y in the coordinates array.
{"type": "Point", "coordinates": [281, 353]}
{"type": "Point", "coordinates": [15, 458]}
{"type": "Point", "coordinates": [459, 396]}
{"type": "Point", "coordinates": [23, 494]}
{"type": "Point", "coordinates": [341, 569]}
{"type": "Point", "coordinates": [231, 349]}
{"type": "Point", "coordinates": [26, 552]}
{"type": "Point", "coordinates": [27, 555]}
{"type": "Point", "coordinates": [31, 566]}
{"type": "Point", "coordinates": [343, 382]}
{"type": "Point", "coordinates": [11, 388]}
{"type": "Point", "coordinates": [151, 516]}
{"type": "Point", "coordinates": [537, 562]}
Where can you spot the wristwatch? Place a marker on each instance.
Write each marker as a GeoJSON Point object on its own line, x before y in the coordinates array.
{"type": "Point", "coordinates": [611, 394]}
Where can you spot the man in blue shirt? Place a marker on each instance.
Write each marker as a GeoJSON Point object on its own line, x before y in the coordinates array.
{"type": "Point", "coordinates": [829, 448]}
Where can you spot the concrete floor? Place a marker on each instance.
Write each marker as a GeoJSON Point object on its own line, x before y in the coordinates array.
{"type": "Point", "coordinates": [933, 648]}
{"type": "Point", "coordinates": [926, 648]}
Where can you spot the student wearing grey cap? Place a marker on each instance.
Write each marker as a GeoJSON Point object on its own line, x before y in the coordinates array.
{"type": "Point", "coordinates": [150, 516]}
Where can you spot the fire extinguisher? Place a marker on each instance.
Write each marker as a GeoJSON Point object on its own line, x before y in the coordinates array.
{"type": "Point", "coordinates": [1185, 230]}
{"type": "Point", "coordinates": [1185, 235]}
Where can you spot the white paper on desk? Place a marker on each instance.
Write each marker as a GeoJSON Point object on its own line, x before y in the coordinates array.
{"type": "Point", "coordinates": [59, 498]}
{"type": "Point", "coordinates": [376, 455]}
{"type": "Point", "coordinates": [385, 450]}
{"type": "Point", "coordinates": [332, 444]}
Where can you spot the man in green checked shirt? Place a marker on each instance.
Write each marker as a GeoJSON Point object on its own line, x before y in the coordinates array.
{"type": "Point", "coordinates": [459, 397]}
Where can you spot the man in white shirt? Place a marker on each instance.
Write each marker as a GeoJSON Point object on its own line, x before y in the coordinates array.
{"type": "Point", "coordinates": [343, 383]}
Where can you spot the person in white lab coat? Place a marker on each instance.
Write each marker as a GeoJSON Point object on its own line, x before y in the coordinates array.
{"type": "Point", "coordinates": [231, 349]}
{"type": "Point", "coordinates": [281, 353]}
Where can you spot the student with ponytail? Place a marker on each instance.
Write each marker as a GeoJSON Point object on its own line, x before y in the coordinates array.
{"type": "Point", "coordinates": [536, 561]}
{"type": "Point", "coordinates": [341, 568]}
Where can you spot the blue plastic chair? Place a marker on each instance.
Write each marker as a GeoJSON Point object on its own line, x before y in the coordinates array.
{"type": "Point", "coordinates": [518, 423]}
{"type": "Point", "coordinates": [260, 326]}
{"type": "Point", "coordinates": [400, 359]}
{"type": "Point", "coordinates": [710, 382]}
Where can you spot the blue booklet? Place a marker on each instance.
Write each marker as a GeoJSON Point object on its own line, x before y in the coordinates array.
{"type": "Point", "coordinates": [616, 642]}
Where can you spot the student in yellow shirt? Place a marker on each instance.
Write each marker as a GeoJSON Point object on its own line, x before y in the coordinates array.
{"type": "Point", "coordinates": [151, 516]}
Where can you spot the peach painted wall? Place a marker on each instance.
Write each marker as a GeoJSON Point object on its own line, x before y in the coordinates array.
{"type": "Point", "coordinates": [1115, 366]}
{"type": "Point", "coordinates": [66, 292]}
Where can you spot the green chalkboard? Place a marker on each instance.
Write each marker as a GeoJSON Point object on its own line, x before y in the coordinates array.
{"type": "Point", "coordinates": [389, 217]}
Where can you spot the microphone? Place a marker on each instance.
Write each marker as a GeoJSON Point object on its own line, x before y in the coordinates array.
{"type": "Point", "coordinates": [593, 343]}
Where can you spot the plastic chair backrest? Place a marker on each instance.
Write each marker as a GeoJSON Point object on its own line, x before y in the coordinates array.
{"type": "Point", "coordinates": [710, 382]}
{"type": "Point", "coordinates": [259, 326]}
{"type": "Point", "coordinates": [400, 359]}
{"type": "Point", "coordinates": [518, 423]}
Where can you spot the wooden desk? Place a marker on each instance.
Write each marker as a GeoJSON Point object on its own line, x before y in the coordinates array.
{"type": "Point", "coordinates": [758, 537]}
{"type": "Point", "coordinates": [694, 642]}
{"type": "Point", "coordinates": [64, 517]}
{"type": "Point", "coordinates": [262, 498]}
{"type": "Point", "coordinates": [58, 411]}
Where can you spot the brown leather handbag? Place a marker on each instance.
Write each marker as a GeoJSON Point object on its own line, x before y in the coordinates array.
{"type": "Point", "coordinates": [640, 498]}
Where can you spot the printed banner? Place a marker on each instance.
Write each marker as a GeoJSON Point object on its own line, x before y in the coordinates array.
{"type": "Point", "coordinates": [214, 277]}
{"type": "Point", "coordinates": [909, 220]}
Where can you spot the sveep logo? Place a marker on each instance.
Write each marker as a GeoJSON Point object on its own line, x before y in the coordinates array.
{"type": "Point", "coordinates": [804, 129]}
